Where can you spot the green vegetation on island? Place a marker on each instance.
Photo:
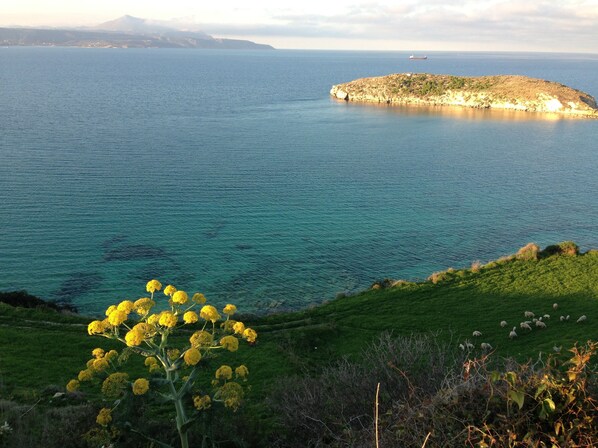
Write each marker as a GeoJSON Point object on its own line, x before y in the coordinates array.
{"type": "Point", "coordinates": [439, 349]}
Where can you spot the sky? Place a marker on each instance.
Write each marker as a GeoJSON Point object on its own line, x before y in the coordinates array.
{"type": "Point", "coordinates": [400, 25]}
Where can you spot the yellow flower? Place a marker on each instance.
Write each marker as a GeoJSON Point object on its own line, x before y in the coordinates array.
{"type": "Point", "coordinates": [208, 312]}
{"type": "Point", "coordinates": [100, 365]}
{"type": "Point", "coordinates": [110, 309]}
{"type": "Point", "coordinates": [85, 375]}
{"type": "Point", "coordinates": [153, 319]}
{"type": "Point", "coordinates": [96, 327]}
{"type": "Point", "coordinates": [239, 327]}
{"type": "Point", "coordinates": [104, 417]}
{"type": "Point", "coordinates": [115, 384]}
{"type": "Point", "coordinates": [250, 335]}
{"type": "Point", "coordinates": [149, 361]}
{"type": "Point", "coordinates": [140, 386]}
{"type": "Point", "coordinates": [180, 297]}
{"type": "Point", "coordinates": [190, 317]}
{"type": "Point", "coordinates": [169, 290]}
{"type": "Point", "coordinates": [153, 286]}
{"type": "Point", "coordinates": [241, 371]}
{"type": "Point", "coordinates": [89, 363]}
{"type": "Point", "coordinates": [126, 306]}
{"type": "Point", "coordinates": [228, 325]}
{"type": "Point", "coordinates": [72, 386]}
{"type": "Point", "coordinates": [202, 402]}
{"type": "Point", "coordinates": [143, 305]}
{"type": "Point", "coordinates": [192, 356]}
{"type": "Point", "coordinates": [224, 373]}
{"type": "Point", "coordinates": [117, 317]}
{"type": "Point", "coordinates": [230, 343]}
{"type": "Point", "coordinates": [167, 319]}
{"type": "Point", "coordinates": [232, 394]}
{"type": "Point", "coordinates": [98, 353]}
{"type": "Point", "coordinates": [229, 309]}
{"type": "Point", "coordinates": [199, 298]}
{"type": "Point", "coordinates": [173, 353]}
{"type": "Point", "coordinates": [201, 339]}
{"type": "Point", "coordinates": [134, 338]}
{"type": "Point", "coordinates": [111, 355]}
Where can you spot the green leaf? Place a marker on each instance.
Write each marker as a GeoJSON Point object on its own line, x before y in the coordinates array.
{"type": "Point", "coordinates": [541, 388]}
{"type": "Point", "coordinates": [517, 396]}
{"type": "Point", "coordinates": [511, 378]}
{"type": "Point", "coordinates": [549, 405]}
{"type": "Point", "coordinates": [495, 376]}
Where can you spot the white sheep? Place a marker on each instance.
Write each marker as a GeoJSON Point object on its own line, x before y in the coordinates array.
{"type": "Point", "coordinates": [513, 334]}
{"type": "Point", "coordinates": [485, 346]}
{"type": "Point", "coordinates": [525, 326]}
{"type": "Point", "coordinates": [528, 314]}
{"type": "Point", "coordinates": [503, 323]}
{"type": "Point", "coordinates": [547, 316]}
{"type": "Point", "coordinates": [555, 306]}
{"type": "Point", "coordinates": [540, 324]}
{"type": "Point", "coordinates": [562, 318]}
{"type": "Point", "coordinates": [567, 318]}
{"type": "Point", "coordinates": [581, 319]}
{"type": "Point", "coordinates": [477, 333]}
{"type": "Point", "coordinates": [461, 346]}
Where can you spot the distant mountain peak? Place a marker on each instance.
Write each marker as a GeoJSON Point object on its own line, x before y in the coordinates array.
{"type": "Point", "coordinates": [131, 24]}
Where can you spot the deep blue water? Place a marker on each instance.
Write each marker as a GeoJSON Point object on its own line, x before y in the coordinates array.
{"type": "Point", "coordinates": [234, 173]}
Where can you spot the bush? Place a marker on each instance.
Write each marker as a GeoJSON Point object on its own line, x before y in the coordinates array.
{"type": "Point", "coordinates": [336, 408]}
{"type": "Point", "coordinates": [528, 252]}
{"type": "Point", "coordinates": [567, 248]}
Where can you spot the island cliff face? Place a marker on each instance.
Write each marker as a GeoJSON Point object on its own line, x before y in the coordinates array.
{"type": "Point", "coordinates": [486, 92]}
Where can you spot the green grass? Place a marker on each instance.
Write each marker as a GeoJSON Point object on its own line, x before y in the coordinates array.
{"type": "Point", "coordinates": [38, 348]}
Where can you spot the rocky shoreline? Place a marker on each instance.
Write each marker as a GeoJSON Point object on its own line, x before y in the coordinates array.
{"type": "Point", "coordinates": [505, 92]}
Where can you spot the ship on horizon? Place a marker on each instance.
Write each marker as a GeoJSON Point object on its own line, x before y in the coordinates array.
{"type": "Point", "coordinates": [412, 57]}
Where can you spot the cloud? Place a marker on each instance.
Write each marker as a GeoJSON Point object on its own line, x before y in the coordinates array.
{"type": "Point", "coordinates": [546, 24]}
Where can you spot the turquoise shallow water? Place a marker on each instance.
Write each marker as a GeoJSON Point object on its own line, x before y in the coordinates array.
{"type": "Point", "coordinates": [234, 174]}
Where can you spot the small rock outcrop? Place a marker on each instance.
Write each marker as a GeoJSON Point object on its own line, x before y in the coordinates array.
{"type": "Point", "coordinates": [505, 92]}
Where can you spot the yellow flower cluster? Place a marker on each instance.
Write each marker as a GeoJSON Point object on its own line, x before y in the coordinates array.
{"type": "Point", "coordinates": [229, 309]}
{"type": "Point", "coordinates": [202, 402]}
{"type": "Point", "coordinates": [208, 312]}
{"type": "Point", "coordinates": [72, 386]}
{"type": "Point", "coordinates": [224, 372]}
{"type": "Point", "coordinates": [96, 327]}
{"type": "Point", "coordinates": [140, 386]}
{"type": "Point", "coordinates": [169, 290]}
{"type": "Point", "coordinates": [190, 317]}
{"type": "Point", "coordinates": [192, 356]}
{"type": "Point", "coordinates": [199, 298]}
{"type": "Point", "coordinates": [126, 306]}
{"type": "Point", "coordinates": [173, 353]}
{"type": "Point", "coordinates": [230, 343]}
{"type": "Point", "coordinates": [241, 371]}
{"type": "Point", "coordinates": [143, 305]}
{"type": "Point", "coordinates": [152, 363]}
{"type": "Point", "coordinates": [167, 319]}
{"type": "Point", "coordinates": [153, 286]}
{"type": "Point", "coordinates": [98, 353]}
{"type": "Point", "coordinates": [231, 394]}
{"type": "Point", "coordinates": [104, 417]}
{"type": "Point", "coordinates": [239, 327]}
{"type": "Point", "coordinates": [85, 375]}
{"type": "Point", "coordinates": [250, 335]}
{"type": "Point", "coordinates": [201, 339]}
{"type": "Point", "coordinates": [180, 297]}
{"type": "Point", "coordinates": [114, 385]}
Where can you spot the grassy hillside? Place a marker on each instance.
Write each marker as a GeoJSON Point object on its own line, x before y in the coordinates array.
{"type": "Point", "coordinates": [40, 350]}
{"type": "Point", "coordinates": [41, 347]}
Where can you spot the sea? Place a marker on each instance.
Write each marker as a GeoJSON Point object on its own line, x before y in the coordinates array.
{"type": "Point", "coordinates": [235, 174]}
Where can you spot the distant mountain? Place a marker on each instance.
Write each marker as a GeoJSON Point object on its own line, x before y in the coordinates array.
{"type": "Point", "coordinates": [124, 32]}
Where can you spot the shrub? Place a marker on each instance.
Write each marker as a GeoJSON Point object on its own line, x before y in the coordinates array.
{"type": "Point", "coordinates": [336, 407]}
{"type": "Point", "coordinates": [567, 248]}
{"type": "Point", "coordinates": [528, 252]}
{"type": "Point", "coordinates": [476, 266]}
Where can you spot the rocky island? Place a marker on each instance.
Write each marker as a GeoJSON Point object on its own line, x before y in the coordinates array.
{"type": "Point", "coordinates": [507, 92]}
